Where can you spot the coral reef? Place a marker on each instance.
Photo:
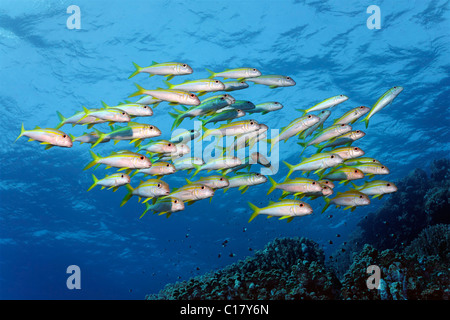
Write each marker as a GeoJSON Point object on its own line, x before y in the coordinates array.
{"type": "Point", "coordinates": [287, 268]}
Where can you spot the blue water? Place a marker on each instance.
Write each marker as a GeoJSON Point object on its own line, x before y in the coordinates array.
{"type": "Point", "coordinates": [47, 219]}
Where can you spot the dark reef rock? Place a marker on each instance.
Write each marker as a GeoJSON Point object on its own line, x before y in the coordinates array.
{"type": "Point", "coordinates": [287, 268]}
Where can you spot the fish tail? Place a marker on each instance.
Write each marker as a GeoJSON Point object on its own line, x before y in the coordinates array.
{"type": "Point", "coordinates": [197, 169]}
{"type": "Point", "coordinates": [61, 119]}
{"type": "Point", "coordinates": [147, 207]}
{"type": "Point", "coordinates": [255, 209]}
{"type": "Point", "coordinates": [291, 169]}
{"type": "Point", "coordinates": [95, 182]}
{"type": "Point", "coordinates": [140, 91]}
{"type": "Point", "coordinates": [101, 137]}
{"type": "Point", "coordinates": [168, 84]}
{"type": "Point", "coordinates": [93, 162]}
{"type": "Point", "coordinates": [274, 185]}
{"type": "Point", "coordinates": [138, 69]}
{"type": "Point", "coordinates": [328, 201]}
{"type": "Point", "coordinates": [178, 119]}
{"type": "Point", "coordinates": [366, 121]}
{"type": "Point", "coordinates": [303, 111]}
{"type": "Point", "coordinates": [128, 195]}
{"type": "Point", "coordinates": [212, 73]}
{"type": "Point", "coordinates": [22, 131]}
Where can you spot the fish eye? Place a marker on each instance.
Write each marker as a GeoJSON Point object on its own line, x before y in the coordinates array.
{"type": "Point", "coordinates": [343, 125]}
{"type": "Point", "coordinates": [325, 188]}
{"type": "Point", "coordinates": [203, 187]}
{"type": "Point", "coordinates": [145, 107]}
{"type": "Point", "coordinates": [356, 171]}
{"type": "Point", "coordinates": [175, 201]}
{"type": "Point", "coordinates": [192, 95]}
{"type": "Point", "coordinates": [123, 113]}
{"type": "Point", "coordinates": [184, 65]}
{"type": "Point", "coordinates": [159, 185]}
{"type": "Point", "coordinates": [141, 157]}
{"type": "Point", "coordinates": [192, 131]}
{"type": "Point", "coordinates": [168, 165]}
{"type": "Point", "coordinates": [355, 148]}
{"type": "Point", "coordinates": [242, 82]}
{"type": "Point", "coordinates": [332, 157]}
{"type": "Point", "coordinates": [360, 197]}
{"type": "Point", "coordinates": [254, 69]}
{"type": "Point", "coordinates": [388, 185]}
{"type": "Point", "coordinates": [121, 176]}
{"type": "Point", "coordinates": [382, 167]}
{"type": "Point", "coordinates": [151, 127]}
{"type": "Point", "coordinates": [395, 87]}
{"type": "Point", "coordinates": [314, 182]}
{"type": "Point", "coordinates": [217, 81]}
{"type": "Point", "coordinates": [222, 98]}
{"type": "Point", "coordinates": [221, 179]}
{"type": "Point", "coordinates": [251, 123]}
{"type": "Point", "coordinates": [362, 107]}
{"type": "Point", "coordinates": [357, 131]}
{"type": "Point", "coordinates": [288, 78]}
{"type": "Point", "coordinates": [301, 204]}
{"type": "Point", "coordinates": [275, 103]}
{"type": "Point", "coordinates": [310, 116]}
{"type": "Point", "coordinates": [64, 136]}
{"type": "Point", "coordinates": [169, 145]}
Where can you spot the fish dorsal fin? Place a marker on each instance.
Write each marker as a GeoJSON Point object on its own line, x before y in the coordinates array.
{"type": "Point", "coordinates": [154, 62]}
{"type": "Point", "coordinates": [37, 127]}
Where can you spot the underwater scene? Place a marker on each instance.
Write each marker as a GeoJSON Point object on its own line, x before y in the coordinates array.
{"type": "Point", "coordinates": [225, 150]}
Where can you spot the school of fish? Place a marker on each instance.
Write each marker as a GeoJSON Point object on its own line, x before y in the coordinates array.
{"type": "Point", "coordinates": [335, 159]}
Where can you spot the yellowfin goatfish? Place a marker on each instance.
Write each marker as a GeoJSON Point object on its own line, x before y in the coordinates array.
{"type": "Point", "coordinates": [147, 100]}
{"type": "Point", "coordinates": [296, 186]}
{"type": "Point", "coordinates": [110, 114]}
{"type": "Point", "coordinates": [164, 206]}
{"type": "Point", "coordinates": [344, 139]}
{"type": "Point", "coordinates": [348, 152]}
{"type": "Point", "coordinates": [220, 163]}
{"type": "Point", "coordinates": [232, 128]}
{"type": "Point", "coordinates": [260, 159]}
{"type": "Point", "coordinates": [323, 116]}
{"type": "Point", "coordinates": [91, 137]}
{"type": "Point", "coordinates": [327, 134]}
{"type": "Point", "coordinates": [152, 188]}
{"type": "Point", "coordinates": [182, 149]}
{"type": "Point", "coordinates": [244, 105]}
{"type": "Point", "coordinates": [113, 181]}
{"type": "Point", "coordinates": [371, 169]}
{"type": "Point", "coordinates": [349, 199]}
{"type": "Point", "coordinates": [273, 81]}
{"type": "Point", "coordinates": [133, 131]}
{"type": "Point", "coordinates": [48, 136]}
{"type": "Point", "coordinates": [78, 118]}
{"type": "Point", "coordinates": [133, 109]}
{"type": "Point", "coordinates": [376, 188]}
{"type": "Point", "coordinates": [185, 136]}
{"type": "Point", "coordinates": [326, 183]}
{"type": "Point", "coordinates": [344, 174]}
{"type": "Point", "coordinates": [285, 209]}
{"type": "Point", "coordinates": [266, 107]}
{"type": "Point", "coordinates": [170, 95]}
{"type": "Point", "coordinates": [382, 102]}
{"type": "Point", "coordinates": [326, 104]}
{"type": "Point", "coordinates": [214, 181]}
{"type": "Point", "coordinates": [351, 116]}
{"type": "Point", "coordinates": [226, 115]}
{"type": "Point", "coordinates": [168, 69]}
{"type": "Point", "coordinates": [238, 73]}
{"type": "Point", "coordinates": [317, 162]}
{"type": "Point", "coordinates": [201, 86]}
{"type": "Point", "coordinates": [159, 169]}
{"type": "Point", "coordinates": [351, 162]}
{"type": "Point", "coordinates": [296, 127]}
{"type": "Point", "coordinates": [192, 192]}
{"type": "Point", "coordinates": [187, 163]}
{"type": "Point", "coordinates": [159, 146]}
{"type": "Point", "coordinates": [244, 180]}
{"type": "Point", "coordinates": [234, 85]}
{"type": "Point", "coordinates": [122, 159]}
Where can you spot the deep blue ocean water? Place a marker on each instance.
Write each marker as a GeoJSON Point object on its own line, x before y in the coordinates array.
{"type": "Point", "coordinates": [47, 219]}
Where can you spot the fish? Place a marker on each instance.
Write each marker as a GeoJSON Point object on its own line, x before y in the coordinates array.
{"type": "Point", "coordinates": [187, 163]}
{"type": "Point", "coordinates": [185, 136]}
{"type": "Point", "coordinates": [317, 162]}
{"type": "Point", "coordinates": [243, 105]}
{"type": "Point", "coordinates": [238, 73]}
{"type": "Point", "coordinates": [323, 116]}
{"type": "Point", "coordinates": [246, 139]}
{"type": "Point", "coordinates": [294, 128]}
{"type": "Point", "coordinates": [219, 163]}
{"type": "Point", "coordinates": [201, 86]}
{"type": "Point", "coordinates": [108, 114]}
{"type": "Point", "coordinates": [376, 188]}
{"type": "Point", "coordinates": [165, 206]}
{"type": "Point", "coordinates": [133, 109]}
{"type": "Point", "coordinates": [324, 192]}
{"type": "Point", "coordinates": [192, 192]}
{"type": "Point", "coordinates": [295, 186]}
{"type": "Point", "coordinates": [232, 128]}
{"type": "Point", "coordinates": [352, 115]}
{"type": "Point", "coordinates": [133, 131]}
{"type": "Point", "coordinates": [347, 153]}
{"type": "Point", "coordinates": [327, 134]}
{"type": "Point", "coordinates": [122, 159]}
{"type": "Point", "coordinates": [159, 146]}
{"type": "Point", "coordinates": [91, 137]}
{"type": "Point", "coordinates": [244, 180]}
{"type": "Point", "coordinates": [260, 159]}
{"type": "Point", "coordinates": [285, 209]}
{"type": "Point", "coordinates": [149, 100]}
{"type": "Point", "coordinates": [181, 150]}
{"type": "Point", "coordinates": [170, 95]}
{"type": "Point", "coordinates": [273, 81]}
{"type": "Point", "coordinates": [149, 189]}
{"type": "Point", "coordinates": [226, 115]}
{"type": "Point", "coordinates": [382, 102]}
{"type": "Point", "coordinates": [234, 85]}
{"type": "Point", "coordinates": [326, 183]}
{"type": "Point", "coordinates": [208, 106]}
{"type": "Point", "coordinates": [266, 107]}
{"type": "Point", "coordinates": [343, 174]}
{"type": "Point", "coordinates": [349, 199]}
{"type": "Point", "coordinates": [78, 118]}
{"type": "Point", "coordinates": [344, 139]}
{"type": "Point", "coordinates": [371, 169]}
{"type": "Point", "coordinates": [113, 181]}
{"type": "Point", "coordinates": [326, 104]}
{"type": "Point", "coordinates": [214, 181]}
{"type": "Point", "coordinates": [168, 69]}
{"type": "Point", "coordinates": [350, 162]}
{"type": "Point", "coordinates": [47, 136]}
{"type": "Point", "coordinates": [159, 169]}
